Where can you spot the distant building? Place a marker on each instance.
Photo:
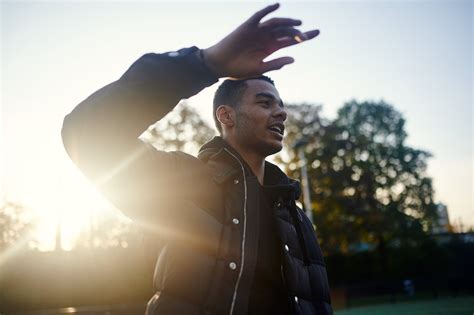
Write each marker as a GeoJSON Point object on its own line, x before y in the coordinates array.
{"type": "Point", "coordinates": [442, 224]}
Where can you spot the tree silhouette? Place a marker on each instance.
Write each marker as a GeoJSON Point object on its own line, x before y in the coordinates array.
{"type": "Point", "coordinates": [183, 129]}
{"type": "Point", "coordinates": [110, 231]}
{"type": "Point", "coordinates": [15, 225]}
{"type": "Point", "coordinates": [368, 186]}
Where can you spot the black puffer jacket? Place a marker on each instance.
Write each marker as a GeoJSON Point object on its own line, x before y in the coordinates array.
{"type": "Point", "coordinates": [205, 208]}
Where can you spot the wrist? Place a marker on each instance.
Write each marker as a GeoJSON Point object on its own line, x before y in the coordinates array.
{"type": "Point", "coordinates": [208, 59]}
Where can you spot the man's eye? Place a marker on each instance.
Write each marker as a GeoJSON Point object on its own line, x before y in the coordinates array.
{"type": "Point", "coordinates": [265, 103]}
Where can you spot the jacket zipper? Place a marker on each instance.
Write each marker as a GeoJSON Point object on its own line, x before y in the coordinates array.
{"type": "Point", "coordinates": [242, 259]}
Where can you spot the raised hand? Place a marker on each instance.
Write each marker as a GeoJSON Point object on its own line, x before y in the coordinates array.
{"type": "Point", "coordinates": [241, 53]}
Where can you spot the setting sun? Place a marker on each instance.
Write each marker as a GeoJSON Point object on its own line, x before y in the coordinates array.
{"type": "Point", "coordinates": [71, 203]}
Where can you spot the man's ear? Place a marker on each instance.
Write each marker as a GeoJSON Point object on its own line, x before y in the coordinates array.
{"type": "Point", "coordinates": [225, 115]}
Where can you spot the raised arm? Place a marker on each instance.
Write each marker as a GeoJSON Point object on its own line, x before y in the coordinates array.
{"type": "Point", "coordinates": [104, 128]}
{"type": "Point", "coordinates": [101, 133]}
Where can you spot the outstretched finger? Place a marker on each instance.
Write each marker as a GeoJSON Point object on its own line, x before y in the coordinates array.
{"type": "Point", "coordinates": [279, 22]}
{"type": "Point", "coordinates": [276, 64]}
{"type": "Point", "coordinates": [284, 32]}
{"type": "Point", "coordinates": [285, 42]}
{"type": "Point", "coordinates": [255, 19]}
{"type": "Point", "coordinates": [311, 34]}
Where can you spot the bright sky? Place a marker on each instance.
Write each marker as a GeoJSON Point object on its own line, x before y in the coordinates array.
{"type": "Point", "coordinates": [415, 55]}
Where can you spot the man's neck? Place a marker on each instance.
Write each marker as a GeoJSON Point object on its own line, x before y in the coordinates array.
{"type": "Point", "coordinates": [255, 161]}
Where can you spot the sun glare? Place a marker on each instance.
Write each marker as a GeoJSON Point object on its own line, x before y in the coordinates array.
{"type": "Point", "coordinates": [65, 212]}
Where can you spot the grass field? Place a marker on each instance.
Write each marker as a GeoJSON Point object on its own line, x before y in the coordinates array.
{"type": "Point", "coordinates": [444, 306]}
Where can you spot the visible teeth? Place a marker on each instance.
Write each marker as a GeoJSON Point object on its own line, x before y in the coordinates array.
{"type": "Point", "coordinates": [277, 129]}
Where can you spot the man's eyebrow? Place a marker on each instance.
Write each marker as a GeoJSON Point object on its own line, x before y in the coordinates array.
{"type": "Point", "coordinates": [270, 96]}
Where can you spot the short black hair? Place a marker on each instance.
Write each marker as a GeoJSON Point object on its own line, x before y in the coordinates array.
{"type": "Point", "coordinates": [230, 93]}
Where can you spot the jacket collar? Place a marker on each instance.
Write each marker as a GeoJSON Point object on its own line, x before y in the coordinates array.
{"type": "Point", "coordinates": [221, 157]}
{"type": "Point", "coordinates": [218, 148]}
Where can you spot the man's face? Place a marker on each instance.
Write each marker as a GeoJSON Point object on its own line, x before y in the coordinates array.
{"type": "Point", "coordinates": [259, 118]}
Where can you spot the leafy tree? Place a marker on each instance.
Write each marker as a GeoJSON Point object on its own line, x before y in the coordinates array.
{"type": "Point", "coordinates": [15, 225]}
{"type": "Point", "coordinates": [110, 231]}
{"type": "Point", "coordinates": [183, 129]}
{"type": "Point", "coordinates": [368, 186]}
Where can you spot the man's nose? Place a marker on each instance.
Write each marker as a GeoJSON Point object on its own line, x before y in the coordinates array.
{"type": "Point", "coordinates": [281, 112]}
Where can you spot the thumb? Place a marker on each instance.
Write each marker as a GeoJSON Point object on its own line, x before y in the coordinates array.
{"type": "Point", "coordinates": [276, 64]}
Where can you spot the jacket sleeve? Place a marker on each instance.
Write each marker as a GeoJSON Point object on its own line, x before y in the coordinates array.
{"type": "Point", "coordinates": [101, 133]}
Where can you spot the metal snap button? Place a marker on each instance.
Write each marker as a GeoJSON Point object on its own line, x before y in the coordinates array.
{"type": "Point", "coordinates": [296, 299]}
{"type": "Point", "coordinates": [235, 221]}
{"type": "Point", "coordinates": [236, 181]}
{"type": "Point", "coordinates": [287, 248]}
{"type": "Point", "coordinates": [233, 265]}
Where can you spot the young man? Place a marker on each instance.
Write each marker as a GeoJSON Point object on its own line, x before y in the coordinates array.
{"type": "Point", "coordinates": [236, 243]}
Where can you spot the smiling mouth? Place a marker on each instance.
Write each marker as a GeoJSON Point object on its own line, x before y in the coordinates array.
{"type": "Point", "coordinates": [278, 128]}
